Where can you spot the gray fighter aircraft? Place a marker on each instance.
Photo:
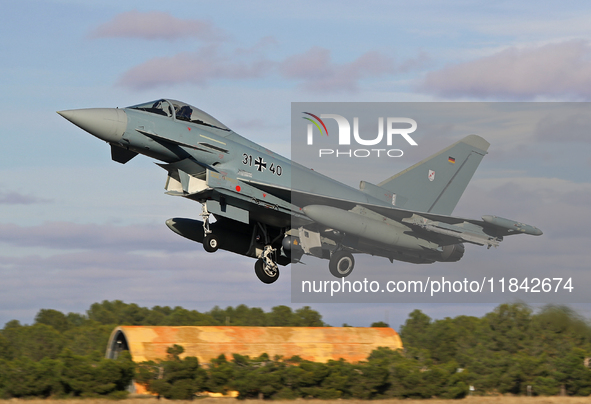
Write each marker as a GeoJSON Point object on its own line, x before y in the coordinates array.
{"type": "Point", "coordinates": [259, 212]}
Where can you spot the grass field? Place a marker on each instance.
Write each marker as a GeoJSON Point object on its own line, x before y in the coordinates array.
{"type": "Point", "coordinates": [469, 400]}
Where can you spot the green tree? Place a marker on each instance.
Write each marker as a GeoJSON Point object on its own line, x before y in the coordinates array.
{"type": "Point", "coordinates": [6, 349]}
{"type": "Point", "coordinates": [572, 374]}
{"type": "Point", "coordinates": [10, 333]}
{"type": "Point", "coordinates": [508, 327]}
{"type": "Point", "coordinates": [76, 319]}
{"type": "Point", "coordinates": [306, 317]}
{"type": "Point", "coordinates": [53, 318]}
{"type": "Point", "coordinates": [157, 315]}
{"type": "Point", "coordinates": [106, 312]}
{"type": "Point", "coordinates": [24, 377]}
{"type": "Point", "coordinates": [173, 378]}
{"type": "Point", "coordinates": [88, 338]}
{"type": "Point", "coordinates": [180, 317]}
{"type": "Point", "coordinates": [416, 330]}
{"type": "Point", "coordinates": [34, 342]}
{"type": "Point", "coordinates": [220, 375]}
{"type": "Point", "coordinates": [282, 316]}
{"type": "Point", "coordinates": [94, 376]}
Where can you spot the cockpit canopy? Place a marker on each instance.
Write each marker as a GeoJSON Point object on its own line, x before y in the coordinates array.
{"type": "Point", "coordinates": [180, 111]}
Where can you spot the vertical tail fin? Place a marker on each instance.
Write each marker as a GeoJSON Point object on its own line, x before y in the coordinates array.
{"type": "Point", "coordinates": [436, 184]}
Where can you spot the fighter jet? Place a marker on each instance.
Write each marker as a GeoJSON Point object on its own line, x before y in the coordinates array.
{"type": "Point", "coordinates": [260, 213]}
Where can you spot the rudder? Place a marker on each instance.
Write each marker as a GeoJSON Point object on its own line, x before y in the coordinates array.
{"type": "Point", "coordinates": [436, 184]}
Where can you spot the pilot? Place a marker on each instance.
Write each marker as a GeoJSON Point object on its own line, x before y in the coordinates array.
{"type": "Point", "coordinates": [184, 113]}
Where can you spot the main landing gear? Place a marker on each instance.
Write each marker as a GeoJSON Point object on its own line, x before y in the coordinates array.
{"type": "Point", "coordinates": [266, 268]}
{"type": "Point", "coordinates": [341, 263]}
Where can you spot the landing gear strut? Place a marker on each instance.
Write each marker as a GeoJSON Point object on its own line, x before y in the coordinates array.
{"type": "Point", "coordinates": [341, 263]}
{"type": "Point", "coordinates": [210, 241]}
{"type": "Point", "coordinates": [205, 216]}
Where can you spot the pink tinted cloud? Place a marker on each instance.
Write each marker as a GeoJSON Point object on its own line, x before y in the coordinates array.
{"type": "Point", "coordinates": [553, 70]}
{"type": "Point", "coordinates": [67, 236]}
{"type": "Point", "coordinates": [311, 65]}
{"type": "Point", "coordinates": [261, 46]}
{"type": "Point", "coordinates": [155, 25]}
{"type": "Point", "coordinates": [193, 67]}
{"type": "Point", "coordinates": [315, 69]}
{"type": "Point", "coordinates": [15, 198]}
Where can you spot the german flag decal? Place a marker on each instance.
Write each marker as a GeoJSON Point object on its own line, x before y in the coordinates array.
{"type": "Point", "coordinates": [451, 160]}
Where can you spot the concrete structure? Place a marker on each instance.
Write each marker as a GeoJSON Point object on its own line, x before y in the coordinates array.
{"type": "Point", "coordinates": [318, 344]}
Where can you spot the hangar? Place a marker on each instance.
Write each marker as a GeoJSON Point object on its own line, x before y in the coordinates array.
{"type": "Point", "coordinates": [318, 344]}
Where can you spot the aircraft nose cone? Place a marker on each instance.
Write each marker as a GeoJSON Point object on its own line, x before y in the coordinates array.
{"type": "Point", "coordinates": [107, 124]}
{"type": "Point", "coordinates": [536, 231]}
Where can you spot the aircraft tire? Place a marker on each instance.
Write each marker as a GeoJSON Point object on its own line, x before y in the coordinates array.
{"type": "Point", "coordinates": [211, 243]}
{"type": "Point", "coordinates": [341, 263]}
{"type": "Point", "coordinates": [259, 270]}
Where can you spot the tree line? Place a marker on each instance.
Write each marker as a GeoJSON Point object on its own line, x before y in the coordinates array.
{"type": "Point", "coordinates": [63, 354]}
{"type": "Point", "coordinates": [511, 350]}
{"type": "Point", "coordinates": [385, 374]}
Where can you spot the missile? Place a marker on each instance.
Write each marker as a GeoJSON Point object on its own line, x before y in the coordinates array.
{"type": "Point", "coordinates": [512, 225]}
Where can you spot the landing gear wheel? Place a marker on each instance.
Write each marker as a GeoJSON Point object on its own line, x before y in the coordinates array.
{"type": "Point", "coordinates": [341, 264]}
{"type": "Point", "coordinates": [211, 243]}
{"type": "Point", "coordinates": [265, 273]}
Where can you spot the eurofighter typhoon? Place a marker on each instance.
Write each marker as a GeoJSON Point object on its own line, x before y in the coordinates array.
{"type": "Point", "coordinates": [259, 213]}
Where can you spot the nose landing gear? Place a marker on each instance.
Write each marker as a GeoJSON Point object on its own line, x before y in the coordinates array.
{"type": "Point", "coordinates": [266, 268]}
{"type": "Point", "coordinates": [211, 243]}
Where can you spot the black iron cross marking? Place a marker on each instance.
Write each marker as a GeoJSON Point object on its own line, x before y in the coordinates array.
{"type": "Point", "coordinates": [260, 163]}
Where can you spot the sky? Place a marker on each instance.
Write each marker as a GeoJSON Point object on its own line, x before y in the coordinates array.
{"type": "Point", "coordinates": [77, 228]}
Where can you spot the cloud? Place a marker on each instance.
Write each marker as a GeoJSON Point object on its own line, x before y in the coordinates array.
{"type": "Point", "coordinates": [14, 198]}
{"type": "Point", "coordinates": [315, 69]}
{"type": "Point", "coordinates": [155, 25]}
{"type": "Point", "coordinates": [73, 265]}
{"type": "Point", "coordinates": [557, 206]}
{"type": "Point", "coordinates": [73, 281]}
{"type": "Point", "coordinates": [194, 68]}
{"type": "Point", "coordinates": [416, 63]}
{"type": "Point", "coordinates": [572, 124]}
{"type": "Point", "coordinates": [556, 70]}
{"type": "Point", "coordinates": [68, 236]}
{"type": "Point", "coordinates": [262, 45]}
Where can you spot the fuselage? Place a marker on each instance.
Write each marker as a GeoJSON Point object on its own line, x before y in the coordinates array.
{"type": "Point", "coordinates": [272, 209]}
